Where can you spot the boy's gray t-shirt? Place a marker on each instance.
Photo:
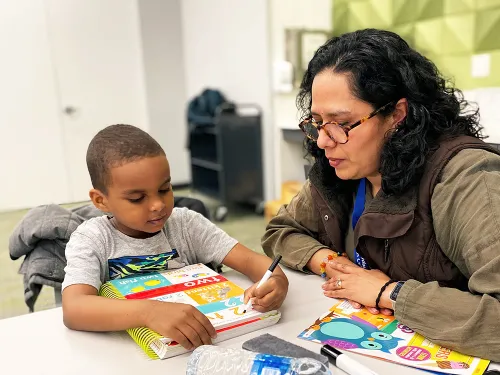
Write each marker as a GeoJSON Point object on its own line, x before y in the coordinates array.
{"type": "Point", "coordinates": [98, 252]}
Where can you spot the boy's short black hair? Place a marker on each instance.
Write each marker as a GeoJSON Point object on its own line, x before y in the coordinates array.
{"type": "Point", "coordinates": [114, 146]}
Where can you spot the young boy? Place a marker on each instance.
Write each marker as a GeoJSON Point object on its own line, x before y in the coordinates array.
{"type": "Point", "coordinates": [144, 233]}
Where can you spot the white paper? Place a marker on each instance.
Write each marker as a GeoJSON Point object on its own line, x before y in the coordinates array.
{"type": "Point", "coordinates": [311, 41]}
{"type": "Point", "coordinates": [480, 65]}
{"type": "Point", "coordinates": [283, 76]}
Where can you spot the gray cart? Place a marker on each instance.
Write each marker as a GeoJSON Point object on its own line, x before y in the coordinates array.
{"type": "Point", "coordinates": [226, 158]}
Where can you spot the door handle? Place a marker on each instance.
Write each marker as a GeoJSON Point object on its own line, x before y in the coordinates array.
{"type": "Point", "coordinates": [69, 110]}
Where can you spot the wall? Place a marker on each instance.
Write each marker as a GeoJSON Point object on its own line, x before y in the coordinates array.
{"type": "Point", "coordinates": [42, 151]}
{"type": "Point", "coordinates": [226, 46]}
{"type": "Point", "coordinates": [99, 75]}
{"type": "Point", "coordinates": [163, 57]}
{"type": "Point", "coordinates": [32, 167]}
{"type": "Point", "coordinates": [288, 14]}
{"type": "Point", "coordinates": [449, 32]}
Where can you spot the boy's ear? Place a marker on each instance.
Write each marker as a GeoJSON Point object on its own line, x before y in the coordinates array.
{"type": "Point", "coordinates": [99, 200]}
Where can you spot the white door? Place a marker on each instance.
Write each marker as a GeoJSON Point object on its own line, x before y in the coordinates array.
{"type": "Point", "coordinates": [32, 170]}
{"type": "Point", "coordinates": [97, 54]}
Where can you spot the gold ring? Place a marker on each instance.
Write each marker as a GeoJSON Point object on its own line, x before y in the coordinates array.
{"type": "Point", "coordinates": [339, 283]}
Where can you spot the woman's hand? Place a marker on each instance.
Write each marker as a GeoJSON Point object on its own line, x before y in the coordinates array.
{"type": "Point", "coordinates": [332, 273]}
{"type": "Point", "coordinates": [359, 286]}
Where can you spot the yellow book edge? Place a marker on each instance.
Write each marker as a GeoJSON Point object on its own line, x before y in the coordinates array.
{"type": "Point", "coordinates": [143, 336]}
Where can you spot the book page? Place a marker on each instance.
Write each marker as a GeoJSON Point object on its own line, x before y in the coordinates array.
{"type": "Point", "coordinates": [383, 337]}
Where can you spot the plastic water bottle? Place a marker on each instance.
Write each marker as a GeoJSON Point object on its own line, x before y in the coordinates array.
{"type": "Point", "coordinates": [214, 360]}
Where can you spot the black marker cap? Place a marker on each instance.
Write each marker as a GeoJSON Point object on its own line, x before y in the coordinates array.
{"type": "Point", "coordinates": [274, 263]}
{"type": "Point", "coordinates": [331, 353]}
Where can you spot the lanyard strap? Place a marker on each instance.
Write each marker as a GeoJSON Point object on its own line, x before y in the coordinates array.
{"type": "Point", "coordinates": [359, 207]}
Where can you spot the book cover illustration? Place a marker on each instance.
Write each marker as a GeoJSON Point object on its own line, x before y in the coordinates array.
{"type": "Point", "coordinates": [219, 299]}
{"type": "Point", "coordinates": [196, 285]}
{"type": "Point", "coordinates": [383, 337]}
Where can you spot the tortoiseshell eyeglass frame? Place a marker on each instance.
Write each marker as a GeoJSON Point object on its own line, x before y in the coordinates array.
{"type": "Point", "coordinates": [345, 128]}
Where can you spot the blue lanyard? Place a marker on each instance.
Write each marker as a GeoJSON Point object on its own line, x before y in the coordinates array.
{"type": "Point", "coordinates": [359, 207]}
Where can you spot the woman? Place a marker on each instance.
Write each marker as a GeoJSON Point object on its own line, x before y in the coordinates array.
{"type": "Point", "coordinates": [404, 185]}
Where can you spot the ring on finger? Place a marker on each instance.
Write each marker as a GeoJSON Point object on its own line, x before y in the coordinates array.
{"type": "Point", "coordinates": [338, 284]}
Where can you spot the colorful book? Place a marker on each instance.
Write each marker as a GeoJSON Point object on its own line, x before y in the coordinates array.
{"type": "Point", "coordinates": [383, 337]}
{"type": "Point", "coordinates": [218, 298]}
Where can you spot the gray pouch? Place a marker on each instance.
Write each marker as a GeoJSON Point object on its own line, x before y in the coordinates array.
{"type": "Point", "coordinates": [269, 344]}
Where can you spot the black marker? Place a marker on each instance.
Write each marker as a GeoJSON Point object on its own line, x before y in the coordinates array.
{"type": "Point", "coordinates": [266, 277]}
{"type": "Point", "coordinates": [344, 362]}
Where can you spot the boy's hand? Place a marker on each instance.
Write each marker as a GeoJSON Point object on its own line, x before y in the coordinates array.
{"type": "Point", "coordinates": [180, 322]}
{"type": "Point", "coordinates": [270, 295]}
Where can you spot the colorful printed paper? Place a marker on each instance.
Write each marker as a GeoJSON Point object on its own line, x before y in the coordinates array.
{"type": "Point", "coordinates": [381, 336]}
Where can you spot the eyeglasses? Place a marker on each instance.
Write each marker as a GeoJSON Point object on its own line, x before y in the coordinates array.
{"type": "Point", "coordinates": [337, 132]}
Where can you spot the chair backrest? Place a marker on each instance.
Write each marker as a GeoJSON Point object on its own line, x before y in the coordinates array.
{"type": "Point", "coordinates": [193, 204]}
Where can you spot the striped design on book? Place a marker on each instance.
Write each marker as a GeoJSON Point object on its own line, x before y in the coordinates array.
{"type": "Point", "coordinates": [175, 288]}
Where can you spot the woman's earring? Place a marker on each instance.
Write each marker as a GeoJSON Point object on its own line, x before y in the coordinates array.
{"type": "Point", "coordinates": [396, 129]}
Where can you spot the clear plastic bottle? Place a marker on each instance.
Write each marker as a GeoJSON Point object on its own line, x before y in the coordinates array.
{"type": "Point", "coordinates": [214, 360]}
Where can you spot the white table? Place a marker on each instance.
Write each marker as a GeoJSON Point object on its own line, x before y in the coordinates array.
{"type": "Point", "coordinates": [39, 343]}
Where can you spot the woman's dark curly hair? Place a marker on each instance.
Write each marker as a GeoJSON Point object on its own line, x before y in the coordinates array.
{"type": "Point", "coordinates": [383, 68]}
